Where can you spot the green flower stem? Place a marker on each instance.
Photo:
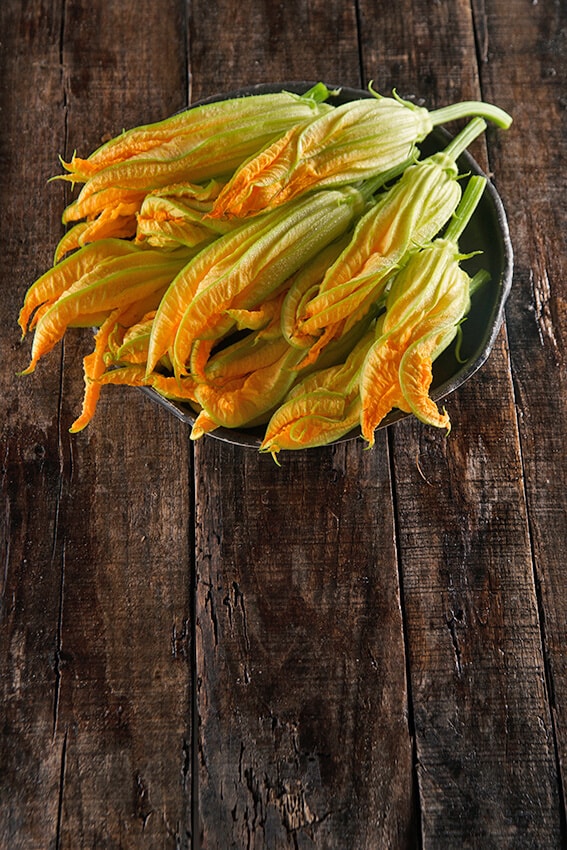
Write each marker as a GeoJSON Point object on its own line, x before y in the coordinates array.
{"type": "Point", "coordinates": [371, 186]}
{"type": "Point", "coordinates": [466, 208]}
{"type": "Point", "coordinates": [318, 93]}
{"type": "Point", "coordinates": [461, 142]}
{"type": "Point", "coordinates": [477, 282]}
{"type": "Point", "coordinates": [471, 107]}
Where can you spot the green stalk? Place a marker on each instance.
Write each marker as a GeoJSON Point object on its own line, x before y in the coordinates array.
{"type": "Point", "coordinates": [318, 93]}
{"type": "Point", "coordinates": [461, 142]}
{"type": "Point", "coordinates": [466, 208]}
{"type": "Point", "coordinates": [477, 282]}
{"type": "Point", "coordinates": [471, 107]}
{"type": "Point", "coordinates": [371, 186]}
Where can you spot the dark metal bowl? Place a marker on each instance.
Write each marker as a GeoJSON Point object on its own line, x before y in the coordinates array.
{"type": "Point", "coordinates": [487, 232]}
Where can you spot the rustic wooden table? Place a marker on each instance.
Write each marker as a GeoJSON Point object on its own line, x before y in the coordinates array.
{"type": "Point", "coordinates": [360, 649]}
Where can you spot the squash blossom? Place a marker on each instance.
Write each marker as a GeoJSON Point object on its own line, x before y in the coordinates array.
{"type": "Point", "coordinates": [320, 408]}
{"type": "Point", "coordinates": [201, 143]}
{"type": "Point", "coordinates": [425, 306]}
{"type": "Point", "coordinates": [268, 259]}
{"type": "Point", "coordinates": [242, 383]}
{"type": "Point", "coordinates": [129, 345]}
{"type": "Point", "coordinates": [353, 142]}
{"type": "Point", "coordinates": [407, 216]}
{"type": "Point", "coordinates": [175, 215]}
{"type": "Point", "coordinates": [252, 382]}
{"type": "Point", "coordinates": [164, 217]}
{"type": "Point", "coordinates": [93, 258]}
{"type": "Point", "coordinates": [304, 285]}
{"type": "Point", "coordinates": [116, 219]}
{"type": "Point", "coordinates": [135, 375]}
{"type": "Point", "coordinates": [104, 284]}
{"type": "Point", "coordinates": [126, 291]}
{"type": "Point", "coordinates": [89, 299]}
{"type": "Point", "coordinates": [242, 269]}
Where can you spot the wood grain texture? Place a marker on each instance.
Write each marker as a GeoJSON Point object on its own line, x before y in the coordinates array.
{"type": "Point", "coordinates": [302, 698]}
{"type": "Point", "coordinates": [536, 187]}
{"type": "Point", "coordinates": [260, 41]}
{"type": "Point", "coordinates": [97, 612]}
{"type": "Point", "coordinates": [32, 475]}
{"type": "Point", "coordinates": [125, 698]}
{"type": "Point", "coordinates": [366, 647]}
{"type": "Point", "coordinates": [470, 606]}
{"type": "Point", "coordinates": [473, 623]}
{"type": "Point", "coordinates": [425, 51]}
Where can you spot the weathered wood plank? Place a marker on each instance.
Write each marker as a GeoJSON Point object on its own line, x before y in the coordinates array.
{"type": "Point", "coordinates": [302, 697]}
{"type": "Point", "coordinates": [258, 42]}
{"type": "Point", "coordinates": [32, 478]}
{"type": "Point", "coordinates": [125, 699]}
{"type": "Point", "coordinates": [484, 738]}
{"type": "Point", "coordinates": [484, 741]}
{"type": "Point", "coordinates": [425, 51]}
{"type": "Point", "coordinates": [304, 737]}
{"type": "Point", "coordinates": [98, 649]}
{"type": "Point", "coordinates": [529, 163]}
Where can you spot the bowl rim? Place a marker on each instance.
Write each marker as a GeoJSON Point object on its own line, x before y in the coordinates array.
{"type": "Point", "coordinates": [250, 438]}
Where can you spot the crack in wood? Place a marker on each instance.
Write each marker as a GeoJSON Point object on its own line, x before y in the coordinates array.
{"type": "Point", "coordinates": [61, 791]}
{"type": "Point", "coordinates": [186, 763]}
{"type": "Point", "coordinates": [180, 639]}
{"type": "Point", "coordinates": [480, 22]}
{"type": "Point", "coordinates": [58, 655]}
{"type": "Point", "coordinates": [210, 606]}
{"type": "Point", "coordinates": [541, 289]}
{"type": "Point", "coordinates": [452, 625]}
{"type": "Point", "coordinates": [144, 809]}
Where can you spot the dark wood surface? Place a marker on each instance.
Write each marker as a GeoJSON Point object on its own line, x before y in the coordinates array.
{"type": "Point", "coordinates": [358, 650]}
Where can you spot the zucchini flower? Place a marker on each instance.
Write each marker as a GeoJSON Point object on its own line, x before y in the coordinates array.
{"type": "Point", "coordinates": [46, 289]}
{"type": "Point", "coordinates": [243, 383]}
{"type": "Point", "coordinates": [86, 290]}
{"type": "Point", "coordinates": [353, 142]}
{"type": "Point", "coordinates": [198, 144]}
{"type": "Point", "coordinates": [427, 302]}
{"type": "Point", "coordinates": [406, 217]}
{"type": "Point", "coordinates": [244, 268]}
{"type": "Point", "coordinates": [129, 345]}
{"type": "Point", "coordinates": [247, 381]}
{"type": "Point", "coordinates": [174, 216]}
{"type": "Point", "coordinates": [322, 407]}
{"type": "Point", "coordinates": [116, 220]}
